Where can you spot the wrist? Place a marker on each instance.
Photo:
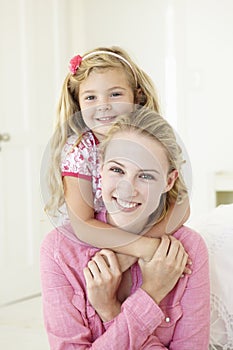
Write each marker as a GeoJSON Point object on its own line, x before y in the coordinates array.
{"type": "Point", "coordinates": [152, 293]}
{"type": "Point", "coordinates": [125, 261]}
{"type": "Point", "coordinates": [149, 246]}
{"type": "Point", "coordinates": [112, 311]}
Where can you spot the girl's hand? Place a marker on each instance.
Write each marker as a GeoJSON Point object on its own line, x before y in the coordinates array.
{"type": "Point", "coordinates": [103, 277]}
{"type": "Point", "coordinates": [162, 272]}
{"type": "Point", "coordinates": [154, 244]}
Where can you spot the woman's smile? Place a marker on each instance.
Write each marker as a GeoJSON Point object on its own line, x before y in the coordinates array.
{"type": "Point", "coordinates": [134, 175]}
{"type": "Point", "coordinates": [126, 206]}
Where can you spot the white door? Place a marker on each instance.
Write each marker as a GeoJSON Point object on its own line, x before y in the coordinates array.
{"type": "Point", "coordinates": [22, 223]}
{"type": "Point", "coordinates": [29, 74]}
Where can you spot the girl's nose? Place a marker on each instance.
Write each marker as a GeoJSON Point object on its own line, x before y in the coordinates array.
{"type": "Point", "coordinates": [104, 107]}
{"type": "Point", "coordinates": [125, 189]}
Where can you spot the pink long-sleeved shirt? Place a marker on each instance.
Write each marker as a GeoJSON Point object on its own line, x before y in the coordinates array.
{"type": "Point", "coordinates": [179, 322]}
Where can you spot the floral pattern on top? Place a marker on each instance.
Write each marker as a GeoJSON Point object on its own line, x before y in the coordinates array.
{"type": "Point", "coordinates": [81, 160]}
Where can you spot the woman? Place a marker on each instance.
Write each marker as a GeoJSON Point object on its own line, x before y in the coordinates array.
{"type": "Point", "coordinates": [88, 301]}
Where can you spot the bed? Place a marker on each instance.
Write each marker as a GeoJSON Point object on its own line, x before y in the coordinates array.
{"type": "Point", "coordinates": [217, 230]}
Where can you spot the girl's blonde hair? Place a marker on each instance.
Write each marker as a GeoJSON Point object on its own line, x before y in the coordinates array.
{"type": "Point", "coordinates": [151, 124]}
{"type": "Point", "coordinates": [69, 118]}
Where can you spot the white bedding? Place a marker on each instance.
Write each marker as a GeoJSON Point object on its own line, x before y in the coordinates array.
{"type": "Point", "coordinates": [217, 230]}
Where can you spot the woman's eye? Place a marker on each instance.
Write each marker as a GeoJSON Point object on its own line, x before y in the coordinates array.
{"type": "Point", "coordinates": [116, 170]}
{"type": "Point", "coordinates": [147, 176]}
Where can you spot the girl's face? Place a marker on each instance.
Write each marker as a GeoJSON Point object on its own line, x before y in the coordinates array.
{"type": "Point", "coordinates": [103, 96]}
{"type": "Point", "coordinates": [134, 176]}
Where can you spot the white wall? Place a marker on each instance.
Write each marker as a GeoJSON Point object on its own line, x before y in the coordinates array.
{"type": "Point", "coordinates": [196, 37]}
{"type": "Point", "coordinates": [208, 94]}
{"type": "Point", "coordinates": [193, 38]}
{"type": "Point", "coordinates": [35, 39]}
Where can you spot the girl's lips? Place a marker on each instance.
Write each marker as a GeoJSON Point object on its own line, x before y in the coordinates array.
{"type": "Point", "coordinates": [126, 205]}
{"type": "Point", "coordinates": [106, 119]}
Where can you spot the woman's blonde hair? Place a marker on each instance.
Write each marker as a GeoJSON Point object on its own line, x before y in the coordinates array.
{"type": "Point", "coordinates": [151, 124]}
{"type": "Point", "coordinates": [69, 119]}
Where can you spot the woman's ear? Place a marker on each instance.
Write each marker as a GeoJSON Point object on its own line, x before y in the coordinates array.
{"type": "Point", "coordinates": [171, 180]}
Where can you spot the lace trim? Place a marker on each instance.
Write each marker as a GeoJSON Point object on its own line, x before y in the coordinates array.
{"type": "Point", "coordinates": [221, 330]}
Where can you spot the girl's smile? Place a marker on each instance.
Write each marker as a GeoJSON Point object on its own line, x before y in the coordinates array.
{"type": "Point", "coordinates": [104, 95]}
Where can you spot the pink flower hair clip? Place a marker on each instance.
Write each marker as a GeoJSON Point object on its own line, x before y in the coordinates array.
{"type": "Point", "coordinates": [75, 63]}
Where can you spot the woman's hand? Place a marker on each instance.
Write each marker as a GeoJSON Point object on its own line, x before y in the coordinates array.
{"type": "Point", "coordinates": [103, 277]}
{"type": "Point", "coordinates": [162, 272]}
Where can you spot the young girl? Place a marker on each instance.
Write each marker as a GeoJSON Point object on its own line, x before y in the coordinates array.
{"type": "Point", "coordinates": [148, 306]}
{"type": "Point", "coordinates": [102, 84]}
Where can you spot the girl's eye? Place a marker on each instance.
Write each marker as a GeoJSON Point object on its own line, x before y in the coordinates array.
{"type": "Point", "coordinates": [145, 176]}
{"type": "Point", "coordinates": [116, 170]}
{"type": "Point", "coordinates": [116, 94]}
{"type": "Point", "coordinates": [90, 98]}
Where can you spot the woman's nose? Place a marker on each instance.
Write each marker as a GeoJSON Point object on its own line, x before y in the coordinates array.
{"type": "Point", "coordinates": [126, 189]}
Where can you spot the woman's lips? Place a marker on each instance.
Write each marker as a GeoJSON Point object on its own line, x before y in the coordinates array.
{"type": "Point", "coordinates": [126, 205]}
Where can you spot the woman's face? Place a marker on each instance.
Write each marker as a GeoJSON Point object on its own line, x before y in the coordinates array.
{"type": "Point", "coordinates": [103, 96]}
{"type": "Point", "coordinates": [134, 176]}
